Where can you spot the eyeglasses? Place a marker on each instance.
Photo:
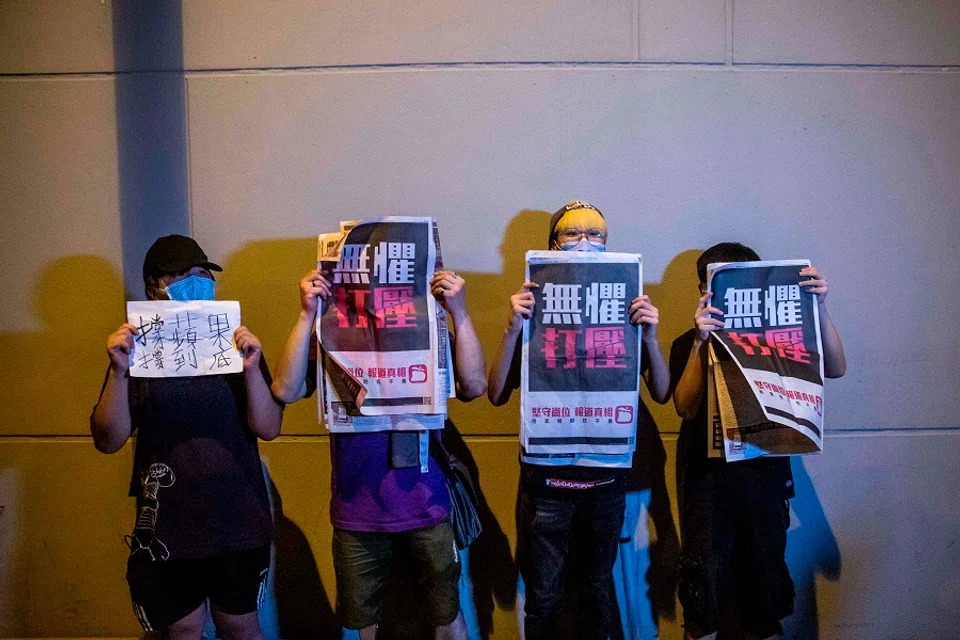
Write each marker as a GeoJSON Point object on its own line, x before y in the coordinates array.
{"type": "Point", "coordinates": [595, 236]}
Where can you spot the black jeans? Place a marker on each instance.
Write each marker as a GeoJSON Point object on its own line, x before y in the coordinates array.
{"type": "Point", "coordinates": [549, 523]}
{"type": "Point", "coordinates": [734, 522]}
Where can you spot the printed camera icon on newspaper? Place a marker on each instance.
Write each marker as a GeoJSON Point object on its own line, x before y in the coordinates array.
{"type": "Point", "coordinates": [417, 373]}
{"type": "Point", "coordinates": [623, 414]}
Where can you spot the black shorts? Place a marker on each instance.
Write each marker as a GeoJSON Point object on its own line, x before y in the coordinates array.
{"type": "Point", "coordinates": [164, 591]}
{"type": "Point", "coordinates": [734, 526]}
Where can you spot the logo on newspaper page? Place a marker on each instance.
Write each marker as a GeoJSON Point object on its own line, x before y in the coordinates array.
{"type": "Point", "coordinates": [624, 414]}
{"type": "Point", "coordinates": [417, 373]}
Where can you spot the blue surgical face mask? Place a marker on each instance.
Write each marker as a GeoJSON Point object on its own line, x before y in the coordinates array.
{"type": "Point", "coordinates": [582, 245]}
{"type": "Point", "coordinates": [191, 288]}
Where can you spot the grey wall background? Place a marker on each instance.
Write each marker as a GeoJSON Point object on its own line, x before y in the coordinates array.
{"type": "Point", "coordinates": [827, 130]}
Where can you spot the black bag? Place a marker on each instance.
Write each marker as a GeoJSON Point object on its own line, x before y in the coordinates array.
{"type": "Point", "coordinates": [463, 498]}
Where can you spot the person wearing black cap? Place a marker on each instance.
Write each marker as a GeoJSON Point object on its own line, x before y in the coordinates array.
{"type": "Point", "coordinates": [576, 498]}
{"type": "Point", "coordinates": [204, 524]}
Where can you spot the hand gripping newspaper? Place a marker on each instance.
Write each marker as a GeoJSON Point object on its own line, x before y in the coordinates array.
{"type": "Point", "coordinates": [764, 368]}
{"type": "Point", "coordinates": [580, 373]}
{"type": "Point", "coordinates": [385, 361]}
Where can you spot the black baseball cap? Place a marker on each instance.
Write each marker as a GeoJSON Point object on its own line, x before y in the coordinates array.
{"type": "Point", "coordinates": [175, 254]}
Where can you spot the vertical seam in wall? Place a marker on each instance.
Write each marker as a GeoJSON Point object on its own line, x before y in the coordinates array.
{"type": "Point", "coordinates": [728, 54]}
{"type": "Point", "coordinates": [186, 133]}
{"type": "Point", "coordinates": [636, 30]}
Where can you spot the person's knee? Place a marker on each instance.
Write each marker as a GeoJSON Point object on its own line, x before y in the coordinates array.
{"type": "Point", "coordinates": [190, 626]}
{"type": "Point", "coordinates": [238, 627]}
{"type": "Point", "coordinates": [456, 630]}
{"type": "Point", "coordinates": [694, 594]}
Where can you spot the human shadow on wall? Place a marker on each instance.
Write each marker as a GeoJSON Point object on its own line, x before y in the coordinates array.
{"type": "Point", "coordinates": [53, 376]}
{"type": "Point", "coordinates": [302, 608]}
{"type": "Point", "coordinates": [645, 576]}
{"type": "Point", "coordinates": [493, 573]}
{"type": "Point", "coordinates": [674, 296]}
{"type": "Point", "coordinates": [812, 551]}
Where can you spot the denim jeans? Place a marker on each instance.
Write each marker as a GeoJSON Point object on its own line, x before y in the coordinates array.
{"type": "Point", "coordinates": [568, 530]}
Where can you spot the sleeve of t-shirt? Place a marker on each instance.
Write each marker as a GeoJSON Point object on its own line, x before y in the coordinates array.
{"type": "Point", "coordinates": [679, 354]}
{"type": "Point", "coordinates": [311, 376]}
{"type": "Point", "coordinates": [513, 376]}
{"type": "Point", "coordinates": [134, 398]}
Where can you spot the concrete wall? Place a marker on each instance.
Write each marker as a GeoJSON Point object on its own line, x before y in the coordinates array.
{"type": "Point", "coordinates": [828, 130]}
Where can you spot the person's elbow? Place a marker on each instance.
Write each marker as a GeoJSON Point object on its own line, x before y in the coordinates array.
{"type": "Point", "coordinates": [270, 433]}
{"type": "Point", "coordinates": [661, 396]}
{"type": "Point", "coordinates": [471, 389]}
{"type": "Point", "coordinates": [106, 442]}
{"type": "Point", "coordinates": [835, 370]}
{"type": "Point", "coordinates": [106, 438]}
{"type": "Point", "coordinates": [287, 393]}
{"type": "Point", "coordinates": [686, 410]}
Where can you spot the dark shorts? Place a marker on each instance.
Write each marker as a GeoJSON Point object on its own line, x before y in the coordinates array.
{"type": "Point", "coordinates": [734, 526]}
{"type": "Point", "coordinates": [165, 591]}
{"type": "Point", "coordinates": [362, 563]}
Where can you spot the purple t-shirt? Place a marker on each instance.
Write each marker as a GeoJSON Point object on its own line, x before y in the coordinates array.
{"type": "Point", "coordinates": [368, 495]}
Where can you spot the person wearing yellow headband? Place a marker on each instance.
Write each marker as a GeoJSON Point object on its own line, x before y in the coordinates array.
{"type": "Point", "coordinates": [579, 498]}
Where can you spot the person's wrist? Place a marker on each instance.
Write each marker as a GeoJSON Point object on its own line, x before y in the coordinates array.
{"type": "Point", "coordinates": [457, 312]}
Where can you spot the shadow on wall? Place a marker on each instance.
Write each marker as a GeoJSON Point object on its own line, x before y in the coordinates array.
{"type": "Point", "coordinates": [150, 95]}
{"type": "Point", "coordinates": [812, 551]}
{"type": "Point", "coordinates": [300, 607]}
{"type": "Point", "coordinates": [645, 577]}
{"type": "Point", "coordinates": [493, 574]}
{"type": "Point", "coordinates": [79, 301]}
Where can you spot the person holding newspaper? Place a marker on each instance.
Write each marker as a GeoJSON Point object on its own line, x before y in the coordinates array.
{"type": "Point", "coordinates": [575, 499]}
{"type": "Point", "coordinates": [734, 515]}
{"type": "Point", "coordinates": [204, 525]}
{"type": "Point", "coordinates": [381, 505]}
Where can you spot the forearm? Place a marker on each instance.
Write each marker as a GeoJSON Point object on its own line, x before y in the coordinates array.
{"type": "Point", "coordinates": [498, 387]}
{"type": "Point", "coordinates": [289, 382]}
{"type": "Point", "coordinates": [689, 392]}
{"type": "Point", "coordinates": [110, 423]}
{"type": "Point", "coordinates": [264, 413]}
{"type": "Point", "coordinates": [658, 373]}
{"type": "Point", "coordinates": [470, 364]}
{"type": "Point", "coordinates": [834, 360]}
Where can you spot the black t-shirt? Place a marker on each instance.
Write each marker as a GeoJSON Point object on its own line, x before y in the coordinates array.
{"type": "Point", "coordinates": [692, 462]}
{"type": "Point", "coordinates": [197, 475]}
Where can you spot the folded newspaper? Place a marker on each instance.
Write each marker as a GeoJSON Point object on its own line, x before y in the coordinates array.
{"type": "Point", "coordinates": [385, 362]}
{"type": "Point", "coordinates": [764, 368]}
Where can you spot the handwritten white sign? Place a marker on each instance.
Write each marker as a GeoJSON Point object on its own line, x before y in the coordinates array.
{"type": "Point", "coordinates": [177, 339]}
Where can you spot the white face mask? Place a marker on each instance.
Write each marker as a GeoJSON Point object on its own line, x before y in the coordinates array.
{"type": "Point", "coordinates": [581, 245]}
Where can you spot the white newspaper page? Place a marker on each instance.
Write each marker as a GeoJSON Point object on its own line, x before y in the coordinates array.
{"type": "Point", "coordinates": [179, 339]}
{"type": "Point", "coordinates": [379, 333]}
{"type": "Point", "coordinates": [580, 372]}
{"type": "Point", "coordinates": [770, 368]}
